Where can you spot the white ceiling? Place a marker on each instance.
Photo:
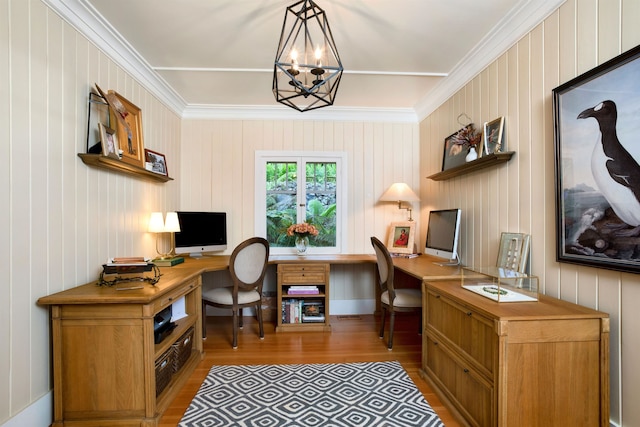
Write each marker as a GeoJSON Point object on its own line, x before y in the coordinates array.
{"type": "Point", "coordinates": [210, 54]}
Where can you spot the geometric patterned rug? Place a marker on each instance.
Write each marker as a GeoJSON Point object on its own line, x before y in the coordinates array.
{"type": "Point", "coordinates": [310, 395]}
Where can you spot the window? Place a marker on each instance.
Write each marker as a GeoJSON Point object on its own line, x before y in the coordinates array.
{"type": "Point", "coordinates": [300, 187]}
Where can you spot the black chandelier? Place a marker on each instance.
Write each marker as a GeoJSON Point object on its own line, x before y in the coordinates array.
{"type": "Point", "coordinates": [307, 69]}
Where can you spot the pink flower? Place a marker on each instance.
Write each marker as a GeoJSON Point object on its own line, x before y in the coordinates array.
{"type": "Point", "coordinates": [302, 229]}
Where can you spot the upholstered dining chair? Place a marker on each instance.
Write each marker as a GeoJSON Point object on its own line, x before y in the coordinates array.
{"type": "Point", "coordinates": [247, 266]}
{"type": "Point", "coordinates": [392, 299]}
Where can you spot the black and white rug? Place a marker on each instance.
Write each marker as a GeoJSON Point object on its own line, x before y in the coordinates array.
{"type": "Point", "coordinates": [308, 395]}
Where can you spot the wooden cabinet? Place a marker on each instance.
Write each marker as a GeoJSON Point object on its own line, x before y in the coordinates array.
{"type": "Point", "coordinates": [104, 355]}
{"type": "Point", "coordinates": [543, 363]}
{"type": "Point", "coordinates": [302, 274]}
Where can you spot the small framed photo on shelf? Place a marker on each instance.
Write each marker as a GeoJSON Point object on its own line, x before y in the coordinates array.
{"type": "Point", "coordinates": [401, 237]}
{"type": "Point", "coordinates": [156, 162]}
{"type": "Point", "coordinates": [493, 136]}
{"type": "Point", "coordinates": [109, 141]}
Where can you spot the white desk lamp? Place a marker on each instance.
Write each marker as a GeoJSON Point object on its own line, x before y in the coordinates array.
{"type": "Point", "coordinates": [400, 192]}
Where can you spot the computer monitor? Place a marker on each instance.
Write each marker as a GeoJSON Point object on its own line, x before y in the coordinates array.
{"type": "Point", "coordinates": [201, 232]}
{"type": "Point", "coordinates": [443, 230]}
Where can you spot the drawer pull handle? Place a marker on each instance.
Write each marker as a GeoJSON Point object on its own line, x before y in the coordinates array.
{"type": "Point", "coordinates": [469, 313]}
{"type": "Point", "coordinates": [435, 343]}
{"type": "Point", "coordinates": [465, 370]}
{"type": "Point", "coordinates": [437, 296]}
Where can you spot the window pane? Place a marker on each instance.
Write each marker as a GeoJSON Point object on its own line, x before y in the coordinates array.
{"type": "Point", "coordinates": [320, 185]}
{"type": "Point", "coordinates": [282, 197]}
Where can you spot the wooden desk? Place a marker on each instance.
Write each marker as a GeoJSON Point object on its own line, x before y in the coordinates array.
{"type": "Point", "coordinates": [104, 356]}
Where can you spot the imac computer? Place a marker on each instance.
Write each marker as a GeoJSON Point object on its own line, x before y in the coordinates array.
{"type": "Point", "coordinates": [201, 232]}
{"type": "Point", "coordinates": [443, 230]}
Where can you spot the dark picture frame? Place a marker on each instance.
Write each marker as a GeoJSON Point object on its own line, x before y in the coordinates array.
{"type": "Point", "coordinates": [457, 145]}
{"type": "Point", "coordinates": [157, 161]}
{"type": "Point", "coordinates": [597, 175]}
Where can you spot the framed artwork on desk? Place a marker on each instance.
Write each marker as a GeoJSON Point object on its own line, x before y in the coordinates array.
{"type": "Point", "coordinates": [401, 237]}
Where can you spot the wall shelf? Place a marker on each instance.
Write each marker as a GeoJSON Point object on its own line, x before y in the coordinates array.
{"type": "Point", "coordinates": [481, 163]}
{"type": "Point", "coordinates": [104, 162]}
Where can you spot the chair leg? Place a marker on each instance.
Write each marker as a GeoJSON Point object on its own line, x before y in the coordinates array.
{"type": "Point", "coordinates": [259, 314]}
{"type": "Point", "coordinates": [235, 329]}
{"type": "Point", "coordinates": [240, 325]}
{"type": "Point", "coordinates": [384, 315]}
{"type": "Point", "coordinates": [392, 322]}
{"type": "Point", "coordinates": [204, 321]}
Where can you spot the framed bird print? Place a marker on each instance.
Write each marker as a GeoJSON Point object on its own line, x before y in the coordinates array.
{"type": "Point", "coordinates": [458, 145]}
{"type": "Point", "coordinates": [597, 163]}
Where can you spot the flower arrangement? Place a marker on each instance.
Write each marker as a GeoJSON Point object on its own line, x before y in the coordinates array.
{"type": "Point", "coordinates": [302, 230]}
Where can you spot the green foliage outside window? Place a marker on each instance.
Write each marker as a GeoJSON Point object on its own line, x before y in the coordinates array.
{"type": "Point", "coordinates": [320, 187]}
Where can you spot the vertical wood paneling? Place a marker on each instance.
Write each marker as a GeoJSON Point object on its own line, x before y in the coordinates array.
{"type": "Point", "coordinates": [378, 154]}
{"type": "Point", "coordinates": [61, 219]}
{"type": "Point", "coordinates": [520, 196]}
{"type": "Point", "coordinates": [5, 196]}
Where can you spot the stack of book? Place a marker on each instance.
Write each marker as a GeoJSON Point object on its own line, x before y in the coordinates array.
{"type": "Point", "coordinates": [168, 262]}
{"type": "Point", "coordinates": [303, 290]}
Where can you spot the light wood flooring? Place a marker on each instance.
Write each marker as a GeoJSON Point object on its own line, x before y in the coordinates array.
{"type": "Point", "coordinates": [352, 339]}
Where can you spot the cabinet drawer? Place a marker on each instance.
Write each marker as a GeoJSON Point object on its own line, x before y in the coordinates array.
{"type": "Point", "coordinates": [466, 388]}
{"type": "Point", "coordinates": [176, 294]}
{"type": "Point", "coordinates": [467, 330]}
{"type": "Point", "coordinates": [302, 273]}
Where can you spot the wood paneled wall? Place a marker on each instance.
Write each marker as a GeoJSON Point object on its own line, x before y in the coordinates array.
{"type": "Point", "coordinates": [520, 196]}
{"type": "Point", "coordinates": [61, 220]}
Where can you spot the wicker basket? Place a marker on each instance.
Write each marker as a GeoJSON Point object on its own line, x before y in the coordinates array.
{"type": "Point", "coordinates": [164, 370]}
{"type": "Point", "coordinates": [182, 349]}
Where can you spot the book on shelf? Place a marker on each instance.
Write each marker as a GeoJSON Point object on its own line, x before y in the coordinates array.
{"type": "Point", "coordinates": [303, 290]}
{"type": "Point", "coordinates": [168, 262]}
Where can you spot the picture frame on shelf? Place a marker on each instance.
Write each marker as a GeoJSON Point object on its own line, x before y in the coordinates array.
{"type": "Point", "coordinates": [458, 144]}
{"type": "Point", "coordinates": [109, 141]}
{"type": "Point", "coordinates": [401, 237]}
{"type": "Point", "coordinates": [98, 113]}
{"type": "Point", "coordinates": [156, 162]}
{"type": "Point", "coordinates": [493, 136]}
{"type": "Point", "coordinates": [598, 192]}
{"type": "Point", "coordinates": [128, 128]}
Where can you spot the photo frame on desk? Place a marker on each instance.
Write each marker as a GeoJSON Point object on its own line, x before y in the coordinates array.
{"type": "Point", "coordinates": [514, 251]}
{"type": "Point", "coordinates": [401, 237]}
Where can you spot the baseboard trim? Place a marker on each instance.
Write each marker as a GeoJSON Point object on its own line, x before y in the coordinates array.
{"type": "Point", "coordinates": [39, 413]}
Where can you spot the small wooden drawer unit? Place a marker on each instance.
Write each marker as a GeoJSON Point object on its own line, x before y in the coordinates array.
{"type": "Point", "coordinates": [303, 297]}
{"type": "Point", "coordinates": [542, 363]}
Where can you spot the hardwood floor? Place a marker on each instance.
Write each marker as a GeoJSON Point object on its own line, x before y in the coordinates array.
{"type": "Point", "coordinates": [353, 339]}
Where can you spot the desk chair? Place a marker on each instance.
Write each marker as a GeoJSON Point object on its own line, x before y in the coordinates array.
{"type": "Point", "coordinates": [247, 265]}
{"type": "Point", "coordinates": [392, 299]}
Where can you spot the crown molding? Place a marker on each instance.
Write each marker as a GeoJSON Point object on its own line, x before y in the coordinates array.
{"type": "Point", "coordinates": [518, 22]}
{"type": "Point", "coordinates": [515, 25]}
{"type": "Point", "coordinates": [332, 113]}
{"type": "Point", "coordinates": [86, 20]}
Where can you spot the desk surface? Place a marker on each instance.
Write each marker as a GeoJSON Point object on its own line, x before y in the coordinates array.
{"type": "Point", "coordinates": [422, 267]}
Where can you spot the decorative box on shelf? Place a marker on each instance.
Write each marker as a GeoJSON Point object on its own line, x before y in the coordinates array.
{"type": "Point", "coordinates": [500, 284]}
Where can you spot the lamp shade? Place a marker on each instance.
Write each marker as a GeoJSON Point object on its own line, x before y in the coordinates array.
{"type": "Point", "coordinates": [156, 223]}
{"type": "Point", "coordinates": [399, 192]}
{"type": "Point", "coordinates": [171, 223]}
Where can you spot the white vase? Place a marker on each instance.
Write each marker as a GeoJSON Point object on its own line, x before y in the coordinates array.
{"type": "Point", "coordinates": [302, 242]}
{"type": "Point", "coordinates": [472, 155]}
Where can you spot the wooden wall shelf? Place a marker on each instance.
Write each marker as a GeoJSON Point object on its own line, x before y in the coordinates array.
{"type": "Point", "coordinates": [481, 163]}
{"type": "Point", "coordinates": [104, 162]}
